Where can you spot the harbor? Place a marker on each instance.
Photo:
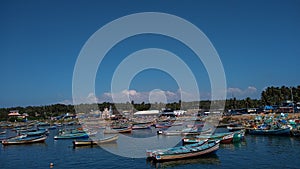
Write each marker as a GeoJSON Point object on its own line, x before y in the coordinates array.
{"type": "Point", "coordinates": [149, 84]}
{"type": "Point", "coordinates": [92, 145]}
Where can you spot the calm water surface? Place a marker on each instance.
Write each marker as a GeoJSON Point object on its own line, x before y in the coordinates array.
{"type": "Point", "coordinates": [254, 152]}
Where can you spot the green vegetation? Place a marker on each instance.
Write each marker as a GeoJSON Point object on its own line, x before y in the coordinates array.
{"type": "Point", "coordinates": [276, 95]}
{"type": "Point", "coordinates": [270, 96]}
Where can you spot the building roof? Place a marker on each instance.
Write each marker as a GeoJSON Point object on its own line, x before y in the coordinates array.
{"type": "Point", "coordinates": [14, 114]}
{"type": "Point", "coordinates": [147, 112]}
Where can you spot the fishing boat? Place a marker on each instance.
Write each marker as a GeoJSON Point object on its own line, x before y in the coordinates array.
{"type": "Point", "coordinates": [284, 130]}
{"type": "Point", "coordinates": [195, 125]}
{"type": "Point", "coordinates": [184, 132]}
{"type": "Point", "coordinates": [23, 139]}
{"type": "Point", "coordinates": [151, 153]}
{"type": "Point", "coordinates": [235, 127]}
{"type": "Point", "coordinates": [71, 131]}
{"type": "Point", "coordinates": [238, 136]}
{"type": "Point", "coordinates": [177, 124]}
{"type": "Point", "coordinates": [71, 136]}
{"type": "Point", "coordinates": [296, 131]}
{"type": "Point", "coordinates": [39, 132]}
{"type": "Point", "coordinates": [52, 127]}
{"type": "Point", "coordinates": [225, 138]}
{"type": "Point", "coordinates": [77, 143]}
{"type": "Point", "coordinates": [187, 151]}
{"type": "Point", "coordinates": [163, 125]}
{"type": "Point", "coordinates": [140, 126]}
{"type": "Point", "coordinates": [120, 130]}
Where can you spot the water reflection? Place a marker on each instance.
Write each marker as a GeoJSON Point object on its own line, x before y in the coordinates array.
{"type": "Point", "coordinates": [211, 159]}
{"type": "Point", "coordinates": [234, 146]}
{"type": "Point", "coordinates": [24, 146]}
{"type": "Point", "coordinates": [112, 145]}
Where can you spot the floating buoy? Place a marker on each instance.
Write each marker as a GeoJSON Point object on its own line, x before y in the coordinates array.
{"type": "Point", "coordinates": [51, 165]}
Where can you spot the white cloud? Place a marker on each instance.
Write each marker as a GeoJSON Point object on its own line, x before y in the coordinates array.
{"type": "Point", "coordinates": [234, 90]}
{"type": "Point", "coordinates": [149, 96]}
{"type": "Point", "coordinates": [90, 98]}
{"type": "Point", "coordinates": [250, 91]}
{"type": "Point", "coordinates": [159, 96]}
{"type": "Point", "coordinates": [66, 102]}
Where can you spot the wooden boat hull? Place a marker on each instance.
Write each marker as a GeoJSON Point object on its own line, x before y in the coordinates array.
{"type": "Point", "coordinates": [162, 126]}
{"type": "Point", "coordinates": [115, 131]}
{"type": "Point", "coordinates": [283, 131]}
{"type": "Point", "coordinates": [295, 132]}
{"type": "Point", "coordinates": [135, 127]}
{"type": "Point", "coordinates": [225, 138]}
{"type": "Point", "coordinates": [36, 133]}
{"type": "Point", "coordinates": [18, 140]}
{"type": "Point", "coordinates": [152, 153]}
{"type": "Point", "coordinates": [235, 128]}
{"type": "Point", "coordinates": [196, 140]}
{"type": "Point", "coordinates": [72, 136]}
{"type": "Point", "coordinates": [187, 155]}
{"type": "Point", "coordinates": [95, 142]}
{"type": "Point", "coordinates": [183, 133]}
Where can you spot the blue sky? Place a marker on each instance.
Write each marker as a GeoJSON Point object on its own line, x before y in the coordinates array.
{"type": "Point", "coordinates": [257, 41]}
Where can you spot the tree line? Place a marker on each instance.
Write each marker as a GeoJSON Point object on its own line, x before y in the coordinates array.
{"type": "Point", "coordinates": [270, 96]}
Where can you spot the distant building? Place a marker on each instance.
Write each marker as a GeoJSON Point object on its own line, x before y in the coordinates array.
{"type": "Point", "coordinates": [179, 112]}
{"type": "Point", "coordinates": [147, 113]}
{"type": "Point", "coordinates": [14, 113]}
{"type": "Point", "coordinates": [286, 107]}
{"type": "Point", "coordinates": [106, 114]}
{"type": "Point", "coordinates": [110, 111]}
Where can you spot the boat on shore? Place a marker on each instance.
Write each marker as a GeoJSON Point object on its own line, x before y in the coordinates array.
{"type": "Point", "coordinates": [23, 139]}
{"type": "Point", "coordinates": [77, 143]}
{"type": "Point", "coordinates": [182, 152]}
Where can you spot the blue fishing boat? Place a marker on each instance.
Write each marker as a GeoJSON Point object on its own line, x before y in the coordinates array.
{"type": "Point", "coordinates": [184, 132]}
{"type": "Point", "coordinates": [118, 130]}
{"type": "Point", "coordinates": [39, 132]}
{"type": "Point", "coordinates": [52, 127]}
{"type": "Point", "coordinates": [284, 130]}
{"type": "Point", "coordinates": [23, 139]}
{"type": "Point", "coordinates": [225, 138]}
{"type": "Point", "coordinates": [110, 139]}
{"type": "Point", "coordinates": [163, 125]}
{"type": "Point", "coordinates": [140, 126]}
{"type": "Point", "coordinates": [187, 151]}
{"type": "Point", "coordinates": [71, 136]}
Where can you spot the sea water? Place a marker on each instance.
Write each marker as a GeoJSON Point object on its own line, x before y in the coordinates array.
{"type": "Point", "coordinates": [254, 152]}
